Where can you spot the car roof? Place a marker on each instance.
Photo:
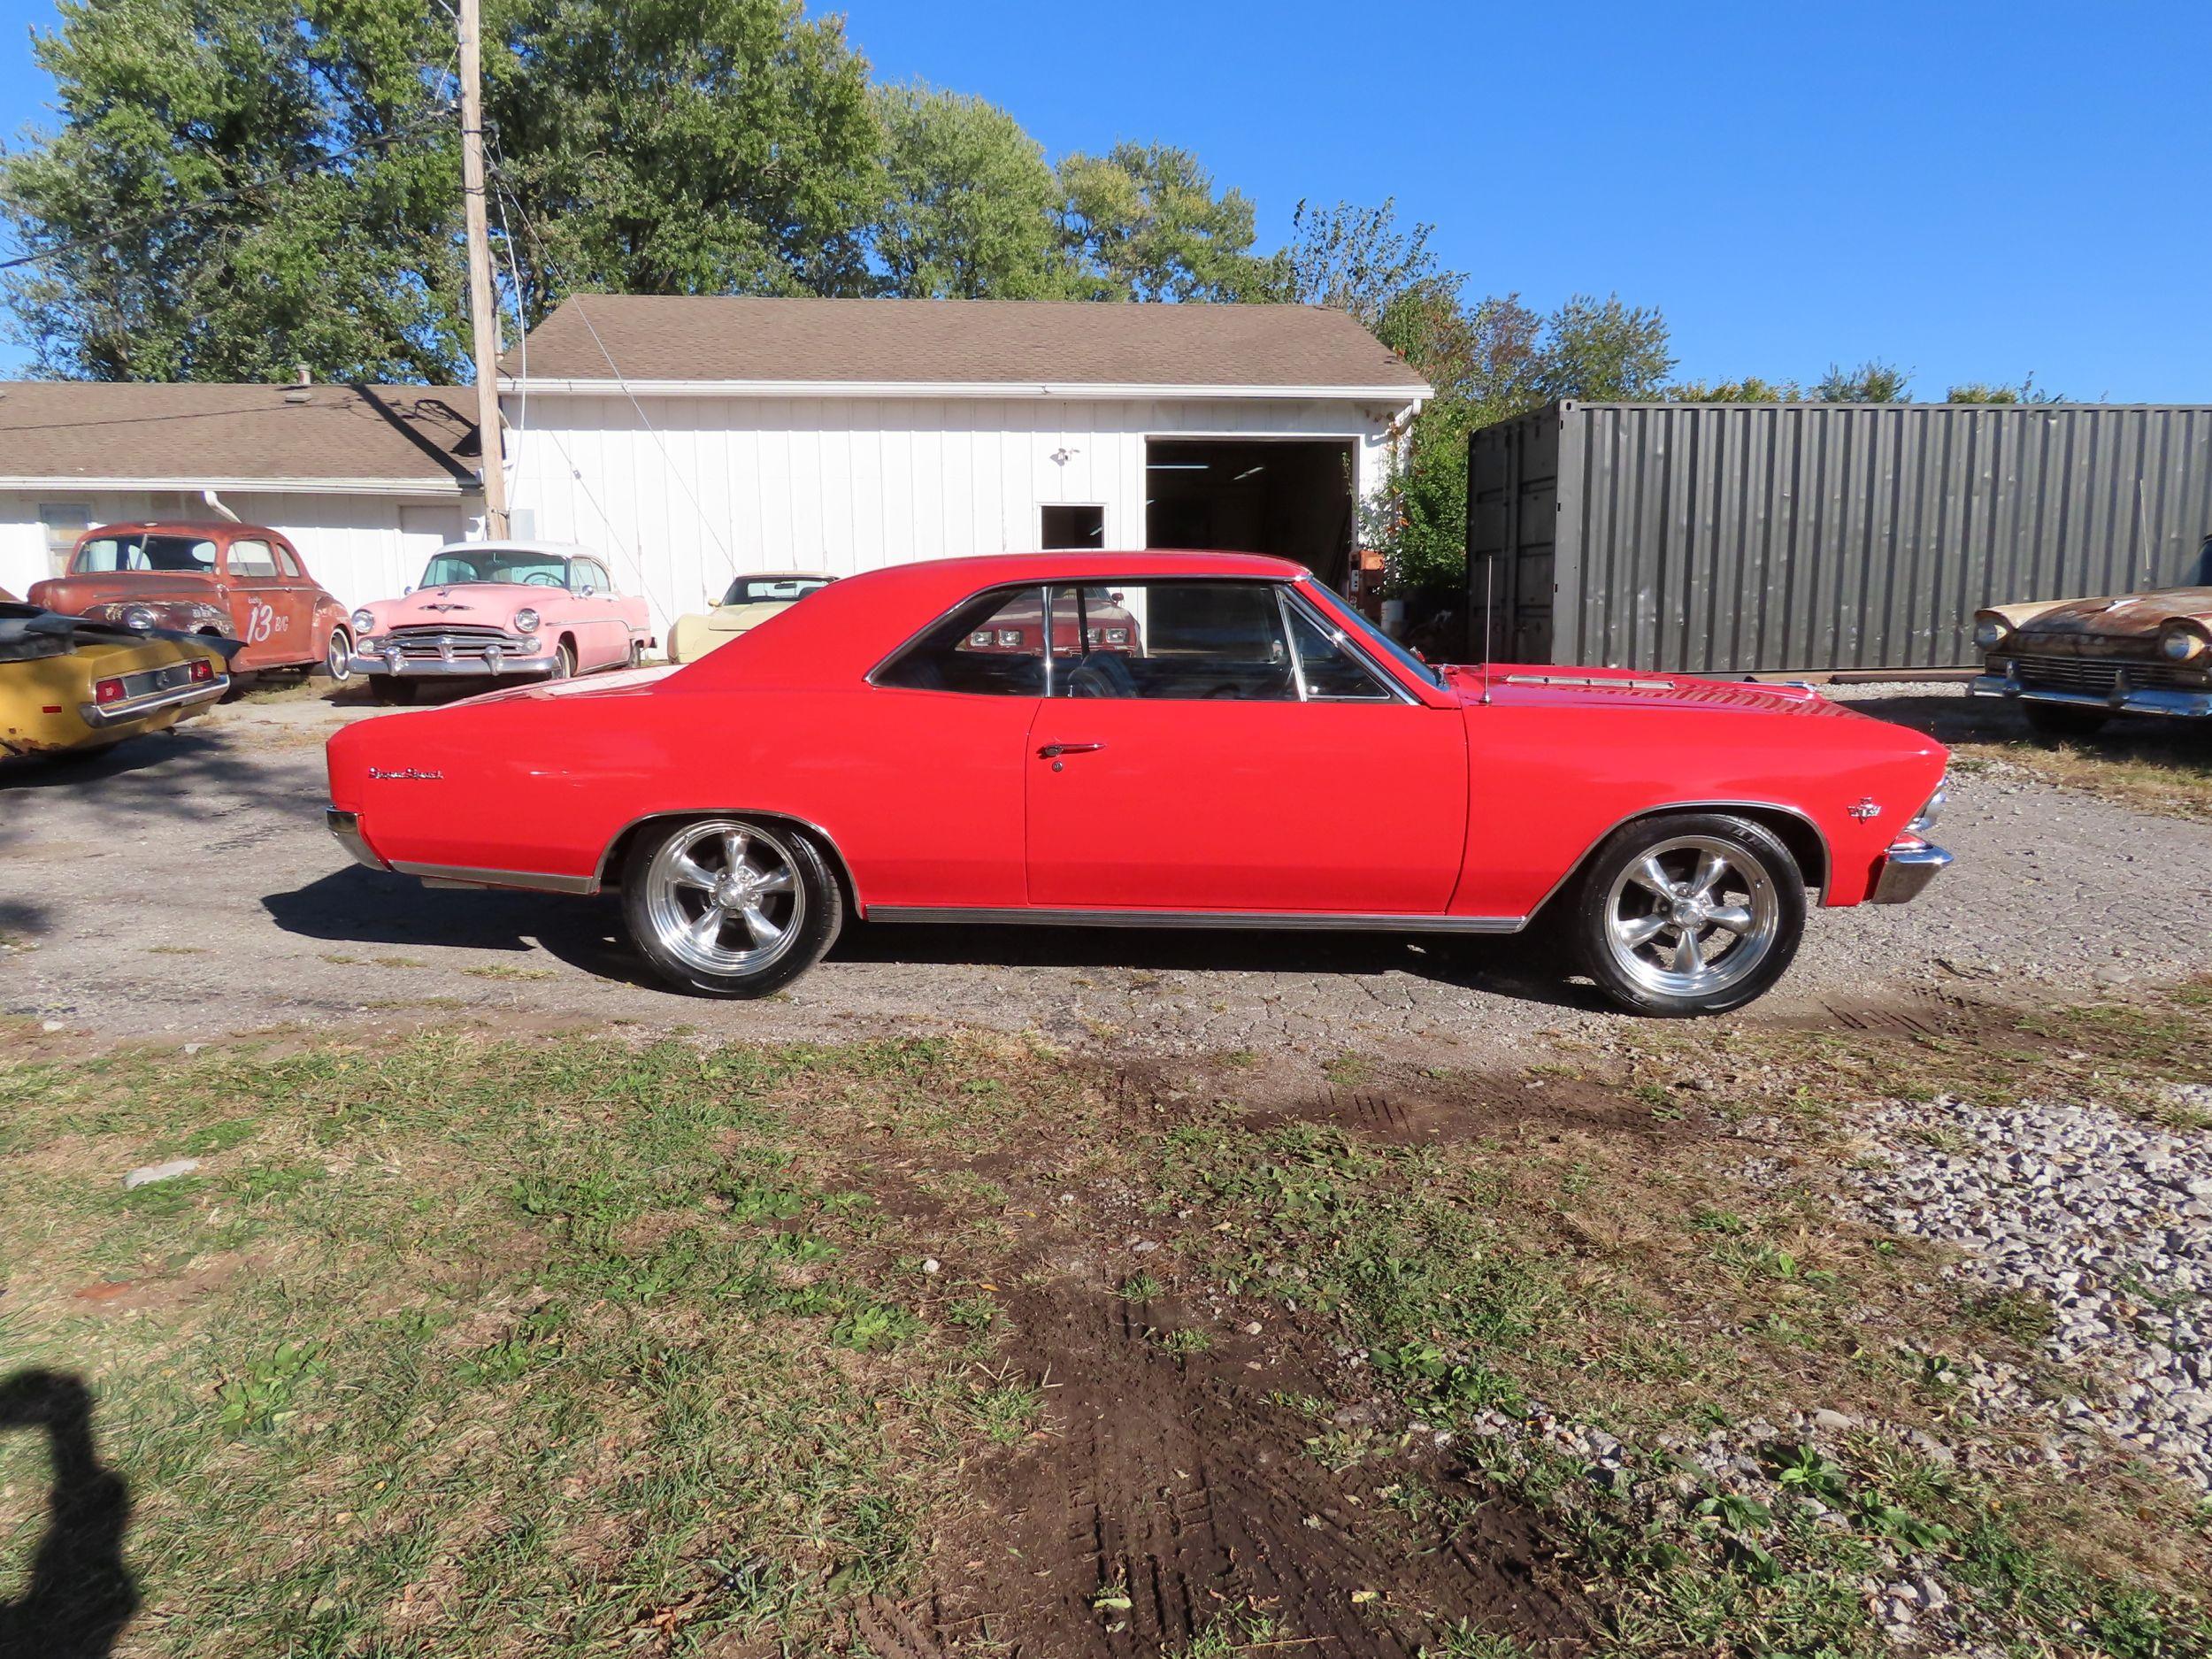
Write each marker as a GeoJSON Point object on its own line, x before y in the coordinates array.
{"type": "Point", "coordinates": [845, 629]}
{"type": "Point", "coordinates": [203, 527]}
{"type": "Point", "coordinates": [544, 550]}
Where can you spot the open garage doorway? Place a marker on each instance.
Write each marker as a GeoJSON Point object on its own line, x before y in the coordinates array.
{"type": "Point", "coordinates": [1288, 497]}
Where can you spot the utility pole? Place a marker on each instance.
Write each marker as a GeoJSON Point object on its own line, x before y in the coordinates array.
{"type": "Point", "coordinates": [483, 309]}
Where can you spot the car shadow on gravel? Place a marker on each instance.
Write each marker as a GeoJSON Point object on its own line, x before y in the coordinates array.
{"type": "Point", "coordinates": [363, 907]}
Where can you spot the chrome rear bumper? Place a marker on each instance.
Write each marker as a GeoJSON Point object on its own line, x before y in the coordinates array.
{"type": "Point", "coordinates": [347, 827]}
{"type": "Point", "coordinates": [2121, 699]}
{"type": "Point", "coordinates": [1907, 869]}
{"type": "Point", "coordinates": [200, 691]}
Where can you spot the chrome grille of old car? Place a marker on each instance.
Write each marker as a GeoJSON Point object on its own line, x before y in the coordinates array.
{"type": "Point", "coordinates": [440, 639]}
{"type": "Point", "coordinates": [2099, 674]}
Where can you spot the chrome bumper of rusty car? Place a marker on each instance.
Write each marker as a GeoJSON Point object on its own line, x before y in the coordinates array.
{"type": "Point", "coordinates": [347, 827]}
{"type": "Point", "coordinates": [129, 708]}
{"type": "Point", "coordinates": [1907, 869]}
{"type": "Point", "coordinates": [2123, 698]}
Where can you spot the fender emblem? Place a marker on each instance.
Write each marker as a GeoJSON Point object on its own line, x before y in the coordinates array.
{"type": "Point", "coordinates": [1866, 808]}
{"type": "Point", "coordinates": [407, 773]}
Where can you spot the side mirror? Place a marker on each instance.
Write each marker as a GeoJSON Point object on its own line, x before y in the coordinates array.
{"type": "Point", "coordinates": [406, 590]}
{"type": "Point", "coordinates": [585, 592]}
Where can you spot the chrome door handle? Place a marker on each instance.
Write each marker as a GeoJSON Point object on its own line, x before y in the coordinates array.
{"type": "Point", "coordinates": [1053, 751]}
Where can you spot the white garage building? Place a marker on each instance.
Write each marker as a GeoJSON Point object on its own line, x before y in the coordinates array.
{"type": "Point", "coordinates": [692, 438]}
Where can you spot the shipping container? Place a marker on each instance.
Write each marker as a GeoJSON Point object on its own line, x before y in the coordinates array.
{"type": "Point", "coordinates": [1771, 538]}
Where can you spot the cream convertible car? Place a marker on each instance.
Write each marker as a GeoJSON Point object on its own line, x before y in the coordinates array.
{"type": "Point", "coordinates": [751, 602]}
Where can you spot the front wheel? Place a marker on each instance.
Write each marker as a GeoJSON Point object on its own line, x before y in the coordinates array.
{"type": "Point", "coordinates": [1692, 913]}
{"type": "Point", "coordinates": [730, 907]}
{"type": "Point", "coordinates": [338, 655]}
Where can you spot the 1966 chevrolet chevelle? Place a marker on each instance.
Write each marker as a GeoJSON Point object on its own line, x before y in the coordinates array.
{"type": "Point", "coordinates": [1157, 740]}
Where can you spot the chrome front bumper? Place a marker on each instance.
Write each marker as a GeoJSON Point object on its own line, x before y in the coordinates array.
{"type": "Point", "coordinates": [100, 714]}
{"type": "Point", "coordinates": [347, 827]}
{"type": "Point", "coordinates": [2121, 699]}
{"type": "Point", "coordinates": [478, 667]}
{"type": "Point", "coordinates": [1907, 868]}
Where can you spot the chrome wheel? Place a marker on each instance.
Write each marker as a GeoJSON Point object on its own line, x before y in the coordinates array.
{"type": "Point", "coordinates": [338, 655]}
{"type": "Point", "coordinates": [1691, 916]}
{"type": "Point", "coordinates": [725, 897]}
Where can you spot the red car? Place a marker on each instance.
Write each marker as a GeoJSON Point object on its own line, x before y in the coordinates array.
{"type": "Point", "coordinates": [244, 581]}
{"type": "Point", "coordinates": [1254, 755]}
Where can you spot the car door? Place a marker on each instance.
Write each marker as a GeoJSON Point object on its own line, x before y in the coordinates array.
{"type": "Point", "coordinates": [944, 726]}
{"type": "Point", "coordinates": [613, 623]}
{"type": "Point", "coordinates": [1232, 752]}
{"type": "Point", "coordinates": [269, 614]}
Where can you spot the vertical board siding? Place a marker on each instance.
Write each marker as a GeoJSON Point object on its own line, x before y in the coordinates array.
{"type": "Point", "coordinates": [1778, 538]}
{"type": "Point", "coordinates": [701, 489]}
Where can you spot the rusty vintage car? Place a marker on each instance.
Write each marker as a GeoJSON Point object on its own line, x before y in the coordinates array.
{"type": "Point", "coordinates": [241, 581]}
{"type": "Point", "coordinates": [2073, 663]}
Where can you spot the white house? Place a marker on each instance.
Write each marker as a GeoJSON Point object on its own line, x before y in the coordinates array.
{"type": "Point", "coordinates": [692, 438]}
{"type": "Point", "coordinates": [365, 480]}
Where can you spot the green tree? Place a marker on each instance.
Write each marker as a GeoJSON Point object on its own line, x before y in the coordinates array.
{"type": "Point", "coordinates": [238, 187]}
{"type": "Point", "coordinates": [1871, 382]}
{"type": "Point", "coordinates": [1980, 391]}
{"type": "Point", "coordinates": [970, 212]}
{"type": "Point", "coordinates": [685, 147]}
{"type": "Point", "coordinates": [1142, 222]}
{"type": "Point", "coordinates": [1357, 260]}
{"type": "Point", "coordinates": [1602, 351]}
{"type": "Point", "coordinates": [1750, 389]}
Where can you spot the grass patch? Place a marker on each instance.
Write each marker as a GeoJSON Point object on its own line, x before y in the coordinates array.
{"type": "Point", "coordinates": [451, 1340]}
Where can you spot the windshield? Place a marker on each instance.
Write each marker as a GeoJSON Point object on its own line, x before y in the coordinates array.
{"type": "Point", "coordinates": [777, 590]}
{"type": "Point", "coordinates": [532, 570]}
{"type": "Point", "coordinates": [1383, 645]}
{"type": "Point", "coordinates": [193, 555]}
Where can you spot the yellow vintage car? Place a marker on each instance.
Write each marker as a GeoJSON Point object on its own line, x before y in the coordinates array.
{"type": "Point", "coordinates": [751, 601]}
{"type": "Point", "coordinates": [72, 683]}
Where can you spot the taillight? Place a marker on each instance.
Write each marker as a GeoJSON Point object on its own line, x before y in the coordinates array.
{"type": "Point", "coordinates": [202, 671]}
{"type": "Point", "coordinates": [1010, 636]}
{"type": "Point", "coordinates": [108, 691]}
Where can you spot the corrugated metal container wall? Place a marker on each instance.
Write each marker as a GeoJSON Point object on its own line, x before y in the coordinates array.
{"type": "Point", "coordinates": [1754, 538]}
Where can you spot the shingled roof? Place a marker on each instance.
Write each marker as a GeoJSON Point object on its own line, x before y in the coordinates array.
{"type": "Point", "coordinates": [1027, 345]}
{"type": "Point", "coordinates": [194, 434]}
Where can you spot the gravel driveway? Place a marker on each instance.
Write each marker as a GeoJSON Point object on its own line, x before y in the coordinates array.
{"type": "Point", "coordinates": [184, 887]}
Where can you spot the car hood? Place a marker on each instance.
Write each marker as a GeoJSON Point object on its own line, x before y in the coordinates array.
{"type": "Point", "coordinates": [478, 603]}
{"type": "Point", "coordinates": [2129, 616]}
{"type": "Point", "coordinates": [1550, 685]}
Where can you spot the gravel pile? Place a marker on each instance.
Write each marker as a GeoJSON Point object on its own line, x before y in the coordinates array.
{"type": "Point", "coordinates": [2109, 1221]}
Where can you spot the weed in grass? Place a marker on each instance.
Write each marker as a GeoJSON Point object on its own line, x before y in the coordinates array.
{"type": "Point", "coordinates": [1237, 1629]}
{"type": "Point", "coordinates": [1140, 1286]}
{"type": "Point", "coordinates": [1006, 1411]}
{"type": "Point", "coordinates": [507, 971]}
{"type": "Point", "coordinates": [1466, 1641]}
{"type": "Point", "coordinates": [1186, 1340]}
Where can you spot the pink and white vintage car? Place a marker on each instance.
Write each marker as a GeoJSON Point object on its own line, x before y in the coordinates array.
{"type": "Point", "coordinates": [501, 610]}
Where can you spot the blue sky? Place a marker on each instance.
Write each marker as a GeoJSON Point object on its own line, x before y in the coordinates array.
{"type": "Point", "coordinates": [1969, 190]}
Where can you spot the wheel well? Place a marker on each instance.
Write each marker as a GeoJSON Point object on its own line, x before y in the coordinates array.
{"type": "Point", "coordinates": [1796, 835]}
{"type": "Point", "coordinates": [618, 852]}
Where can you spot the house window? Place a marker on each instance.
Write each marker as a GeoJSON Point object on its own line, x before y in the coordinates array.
{"type": "Point", "coordinates": [1083, 526]}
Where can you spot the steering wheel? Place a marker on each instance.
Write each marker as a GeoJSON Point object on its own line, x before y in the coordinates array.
{"type": "Point", "coordinates": [542, 579]}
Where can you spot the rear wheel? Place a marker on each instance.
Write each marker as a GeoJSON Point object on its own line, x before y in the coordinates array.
{"type": "Point", "coordinates": [728, 906]}
{"type": "Point", "coordinates": [2061, 721]}
{"type": "Point", "coordinates": [1692, 913]}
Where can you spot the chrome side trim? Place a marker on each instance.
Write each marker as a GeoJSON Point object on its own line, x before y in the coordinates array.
{"type": "Point", "coordinates": [1906, 871]}
{"type": "Point", "coordinates": [2197, 704]}
{"type": "Point", "coordinates": [1318, 921]}
{"type": "Point", "coordinates": [530, 880]}
{"type": "Point", "coordinates": [1827, 853]}
{"type": "Point", "coordinates": [1588, 682]}
{"type": "Point", "coordinates": [100, 714]}
{"type": "Point", "coordinates": [347, 827]}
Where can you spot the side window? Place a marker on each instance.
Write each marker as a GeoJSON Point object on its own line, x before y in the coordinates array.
{"type": "Point", "coordinates": [1187, 642]}
{"type": "Point", "coordinates": [286, 562]}
{"type": "Point", "coordinates": [1327, 670]}
{"type": "Point", "coordinates": [252, 558]}
{"type": "Point", "coordinates": [992, 646]}
{"type": "Point", "coordinates": [107, 553]}
{"type": "Point", "coordinates": [601, 581]}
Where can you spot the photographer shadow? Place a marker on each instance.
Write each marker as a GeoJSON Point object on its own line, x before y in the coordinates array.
{"type": "Point", "coordinates": [79, 1596]}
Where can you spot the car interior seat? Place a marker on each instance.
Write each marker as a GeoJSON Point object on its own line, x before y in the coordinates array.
{"type": "Point", "coordinates": [1103, 674]}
